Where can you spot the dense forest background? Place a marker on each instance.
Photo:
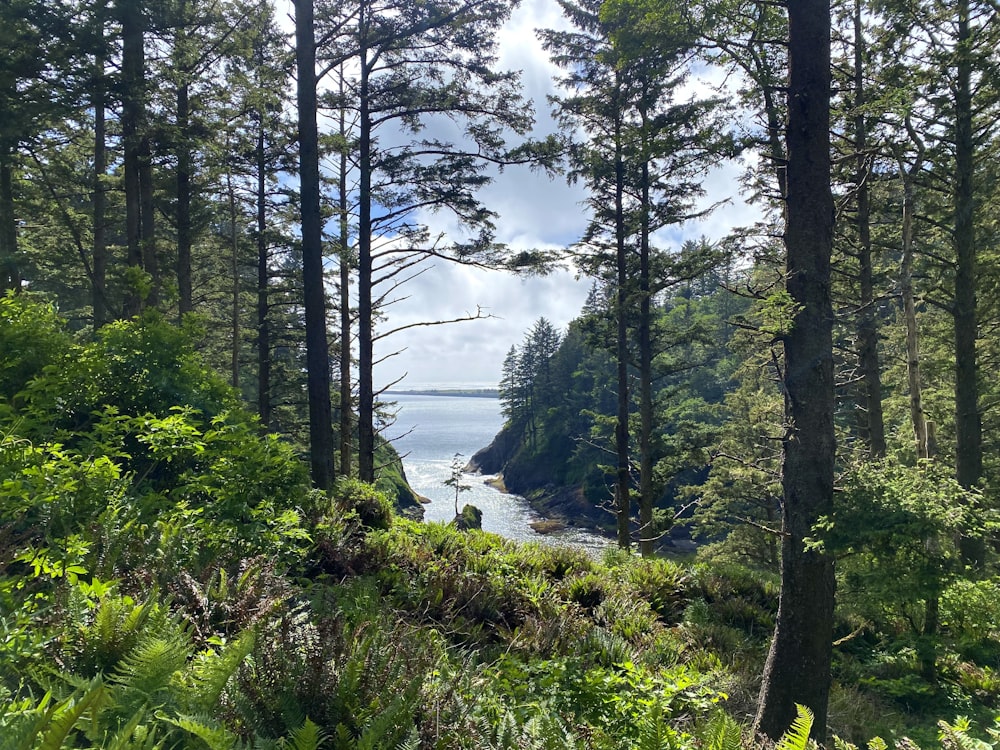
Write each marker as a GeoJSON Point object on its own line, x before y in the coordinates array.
{"type": "Point", "coordinates": [205, 218]}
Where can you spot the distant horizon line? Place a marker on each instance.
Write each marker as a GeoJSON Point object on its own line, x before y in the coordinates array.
{"type": "Point", "coordinates": [447, 390]}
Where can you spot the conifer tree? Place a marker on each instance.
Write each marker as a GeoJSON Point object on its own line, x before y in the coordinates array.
{"type": "Point", "coordinates": [797, 670]}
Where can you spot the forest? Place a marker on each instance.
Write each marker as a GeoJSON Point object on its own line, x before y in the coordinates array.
{"type": "Point", "coordinates": [207, 213]}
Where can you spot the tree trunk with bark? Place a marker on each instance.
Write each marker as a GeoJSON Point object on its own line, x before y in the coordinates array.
{"type": "Point", "coordinates": [11, 275]}
{"type": "Point", "coordinates": [234, 270]}
{"type": "Point", "coordinates": [968, 422]}
{"type": "Point", "coordinates": [263, 281]}
{"type": "Point", "coordinates": [133, 80]}
{"type": "Point", "coordinates": [623, 476]}
{"type": "Point", "coordinates": [346, 422]}
{"type": "Point", "coordinates": [797, 669]}
{"type": "Point", "coordinates": [646, 538]}
{"type": "Point", "coordinates": [99, 201]}
{"type": "Point", "coordinates": [366, 345]}
{"type": "Point", "coordinates": [185, 301]}
{"type": "Point", "coordinates": [874, 422]}
{"type": "Point", "coordinates": [317, 349]}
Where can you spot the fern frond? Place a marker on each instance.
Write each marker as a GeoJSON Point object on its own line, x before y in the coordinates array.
{"type": "Point", "coordinates": [205, 728]}
{"type": "Point", "coordinates": [143, 676]}
{"type": "Point", "coordinates": [796, 737]}
{"type": "Point", "coordinates": [63, 720]}
{"type": "Point", "coordinates": [654, 732]}
{"type": "Point", "coordinates": [124, 738]}
{"type": "Point", "coordinates": [22, 723]}
{"type": "Point", "coordinates": [309, 736]}
{"type": "Point", "coordinates": [213, 671]}
{"type": "Point", "coordinates": [722, 733]}
{"type": "Point", "coordinates": [545, 731]}
{"type": "Point", "coordinates": [412, 741]}
{"type": "Point", "coordinates": [379, 731]}
{"type": "Point", "coordinates": [956, 736]}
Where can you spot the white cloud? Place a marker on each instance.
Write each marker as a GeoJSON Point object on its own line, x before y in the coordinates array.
{"type": "Point", "coordinates": [535, 212]}
{"type": "Point", "coordinates": [473, 352]}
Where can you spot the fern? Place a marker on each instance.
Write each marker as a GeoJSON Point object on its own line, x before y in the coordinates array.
{"type": "Point", "coordinates": [213, 671]}
{"type": "Point", "coordinates": [721, 733]}
{"type": "Point", "coordinates": [412, 741]}
{"type": "Point", "coordinates": [144, 674]}
{"type": "Point", "coordinates": [48, 725]}
{"type": "Point", "coordinates": [307, 737]}
{"type": "Point", "coordinates": [956, 736]}
{"type": "Point", "coordinates": [133, 736]}
{"type": "Point", "coordinates": [382, 728]}
{"type": "Point", "coordinates": [796, 737]}
{"type": "Point", "coordinates": [204, 728]}
{"type": "Point", "coordinates": [21, 723]}
{"type": "Point", "coordinates": [63, 721]}
{"type": "Point", "coordinates": [654, 732]}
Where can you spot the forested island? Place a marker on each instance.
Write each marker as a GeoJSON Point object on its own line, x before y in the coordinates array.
{"type": "Point", "coordinates": [208, 215]}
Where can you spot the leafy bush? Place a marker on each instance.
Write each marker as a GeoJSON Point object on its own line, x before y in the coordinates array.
{"type": "Point", "coordinates": [32, 337]}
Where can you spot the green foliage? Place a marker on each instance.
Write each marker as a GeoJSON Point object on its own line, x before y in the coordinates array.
{"type": "Point", "coordinates": [894, 531]}
{"type": "Point", "coordinates": [372, 507]}
{"type": "Point", "coordinates": [32, 337]}
{"type": "Point", "coordinates": [136, 367]}
{"type": "Point", "coordinates": [796, 737]}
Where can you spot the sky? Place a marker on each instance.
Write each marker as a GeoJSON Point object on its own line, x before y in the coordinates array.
{"type": "Point", "coordinates": [534, 212]}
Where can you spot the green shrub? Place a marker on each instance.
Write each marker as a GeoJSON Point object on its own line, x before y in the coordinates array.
{"type": "Point", "coordinates": [32, 337]}
{"type": "Point", "coordinates": [662, 583]}
{"type": "Point", "coordinates": [373, 508]}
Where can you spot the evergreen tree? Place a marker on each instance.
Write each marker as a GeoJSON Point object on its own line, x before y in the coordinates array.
{"type": "Point", "coordinates": [317, 348]}
{"type": "Point", "coordinates": [431, 60]}
{"type": "Point", "coordinates": [797, 670]}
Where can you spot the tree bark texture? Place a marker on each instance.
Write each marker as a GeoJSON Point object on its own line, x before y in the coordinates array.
{"type": "Point", "coordinates": [797, 669]}
{"type": "Point", "coordinates": [11, 276]}
{"type": "Point", "coordinates": [185, 300]}
{"type": "Point", "coordinates": [874, 422]}
{"type": "Point", "coordinates": [623, 478]}
{"type": "Point", "coordinates": [99, 201]}
{"type": "Point", "coordinates": [234, 270]}
{"type": "Point", "coordinates": [317, 349]}
{"type": "Point", "coordinates": [917, 417]}
{"type": "Point", "coordinates": [968, 422]}
{"type": "Point", "coordinates": [646, 540]}
{"type": "Point", "coordinates": [133, 80]}
{"type": "Point", "coordinates": [263, 281]}
{"type": "Point", "coordinates": [366, 347]}
{"type": "Point", "coordinates": [346, 420]}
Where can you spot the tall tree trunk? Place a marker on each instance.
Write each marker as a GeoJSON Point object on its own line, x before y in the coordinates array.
{"type": "Point", "coordinates": [927, 651]}
{"type": "Point", "coordinates": [867, 327]}
{"type": "Point", "coordinates": [263, 280]}
{"type": "Point", "coordinates": [133, 80]}
{"type": "Point", "coordinates": [185, 302]}
{"type": "Point", "coordinates": [797, 669]}
{"type": "Point", "coordinates": [366, 354]}
{"type": "Point", "coordinates": [11, 274]}
{"type": "Point", "coordinates": [968, 423]}
{"type": "Point", "coordinates": [346, 422]}
{"type": "Point", "coordinates": [234, 317]}
{"type": "Point", "coordinates": [147, 210]}
{"type": "Point", "coordinates": [917, 417]}
{"type": "Point", "coordinates": [317, 349]}
{"type": "Point", "coordinates": [623, 477]}
{"type": "Point", "coordinates": [646, 539]}
{"type": "Point", "coordinates": [100, 200]}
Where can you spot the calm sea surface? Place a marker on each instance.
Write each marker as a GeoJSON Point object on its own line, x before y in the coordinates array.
{"type": "Point", "coordinates": [430, 430]}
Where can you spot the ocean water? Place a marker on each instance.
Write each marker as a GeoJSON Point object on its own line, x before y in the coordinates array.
{"type": "Point", "coordinates": [428, 433]}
